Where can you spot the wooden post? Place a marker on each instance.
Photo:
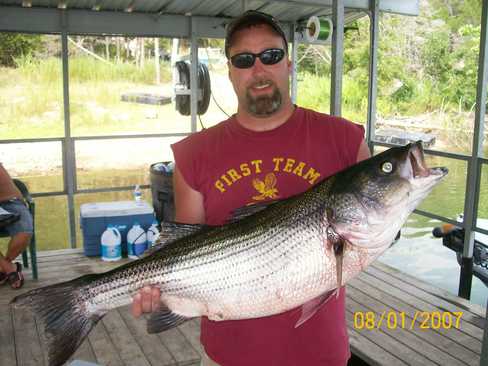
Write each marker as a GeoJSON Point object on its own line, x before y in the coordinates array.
{"type": "Point", "coordinates": [107, 48]}
{"type": "Point", "coordinates": [117, 44]}
{"type": "Point", "coordinates": [156, 60]}
{"type": "Point", "coordinates": [142, 40]}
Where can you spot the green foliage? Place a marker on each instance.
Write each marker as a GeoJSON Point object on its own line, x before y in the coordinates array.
{"type": "Point", "coordinates": [356, 46]}
{"type": "Point", "coordinates": [451, 60]}
{"type": "Point", "coordinates": [13, 45]}
{"type": "Point", "coordinates": [456, 13]}
{"type": "Point", "coordinates": [88, 69]}
{"type": "Point", "coordinates": [31, 97]}
{"type": "Point", "coordinates": [39, 71]}
{"type": "Point", "coordinates": [435, 53]}
{"type": "Point", "coordinates": [314, 92]}
{"type": "Point", "coordinates": [425, 63]}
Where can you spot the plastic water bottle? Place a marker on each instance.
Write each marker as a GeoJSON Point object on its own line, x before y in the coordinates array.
{"type": "Point", "coordinates": [111, 240]}
{"type": "Point", "coordinates": [152, 234]}
{"type": "Point", "coordinates": [159, 167]}
{"type": "Point", "coordinates": [136, 241]}
{"type": "Point", "coordinates": [137, 194]}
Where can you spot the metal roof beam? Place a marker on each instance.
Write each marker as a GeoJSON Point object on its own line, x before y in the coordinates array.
{"type": "Point", "coordinates": [48, 21]}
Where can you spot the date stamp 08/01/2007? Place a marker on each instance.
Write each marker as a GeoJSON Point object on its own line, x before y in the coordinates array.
{"type": "Point", "coordinates": [393, 319]}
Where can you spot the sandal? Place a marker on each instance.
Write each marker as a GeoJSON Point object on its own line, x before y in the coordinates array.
{"type": "Point", "coordinates": [16, 279]}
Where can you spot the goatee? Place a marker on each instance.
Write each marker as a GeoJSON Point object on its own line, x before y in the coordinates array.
{"type": "Point", "coordinates": [264, 105]}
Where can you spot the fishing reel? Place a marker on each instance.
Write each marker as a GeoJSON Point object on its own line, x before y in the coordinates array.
{"type": "Point", "coordinates": [316, 30]}
{"type": "Point", "coordinates": [183, 88]}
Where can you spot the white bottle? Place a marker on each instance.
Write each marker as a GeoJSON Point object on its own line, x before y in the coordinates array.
{"type": "Point", "coordinates": [111, 240]}
{"type": "Point", "coordinates": [136, 241]}
{"type": "Point", "coordinates": [152, 234]}
{"type": "Point", "coordinates": [137, 194]}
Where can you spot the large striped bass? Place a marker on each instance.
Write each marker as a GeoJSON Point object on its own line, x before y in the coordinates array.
{"type": "Point", "coordinates": [264, 261]}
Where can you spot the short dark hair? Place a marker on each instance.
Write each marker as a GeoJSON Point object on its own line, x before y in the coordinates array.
{"type": "Point", "coordinates": [248, 19]}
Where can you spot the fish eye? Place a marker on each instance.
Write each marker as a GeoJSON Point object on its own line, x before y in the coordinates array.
{"type": "Point", "coordinates": [387, 167]}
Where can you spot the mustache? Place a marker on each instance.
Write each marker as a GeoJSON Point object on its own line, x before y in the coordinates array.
{"type": "Point", "coordinates": [260, 82]}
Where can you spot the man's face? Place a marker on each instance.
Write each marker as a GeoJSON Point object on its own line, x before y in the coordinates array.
{"type": "Point", "coordinates": [261, 89]}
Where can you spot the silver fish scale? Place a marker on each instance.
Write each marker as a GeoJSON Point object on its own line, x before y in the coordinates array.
{"type": "Point", "coordinates": [250, 284]}
{"type": "Point", "coordinates": [272, 261]}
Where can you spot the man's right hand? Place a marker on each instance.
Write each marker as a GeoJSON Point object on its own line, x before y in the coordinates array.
{"type": "Point", "coordinates": [147, 300]}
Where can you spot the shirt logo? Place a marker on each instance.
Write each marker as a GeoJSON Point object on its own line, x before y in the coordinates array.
{"type": "Point", "coordinates": [266, 188]}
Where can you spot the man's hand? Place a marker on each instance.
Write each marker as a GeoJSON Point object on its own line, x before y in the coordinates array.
{"type": "Point", "coordinates": [147, 300]}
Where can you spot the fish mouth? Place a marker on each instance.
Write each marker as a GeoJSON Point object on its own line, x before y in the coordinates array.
{"type": "Point", "coordinates": [418, 165]}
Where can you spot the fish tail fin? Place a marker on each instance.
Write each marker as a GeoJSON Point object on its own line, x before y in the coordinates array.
{"type": "Point", "coordinates": [61, 312]}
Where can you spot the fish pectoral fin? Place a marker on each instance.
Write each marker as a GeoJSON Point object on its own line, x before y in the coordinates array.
{"type": "Point", "coordinates": [338, 244]}
{"type": "Point", "coordinates": [164, 319]}
{"type": "Point", "coordinates": [339, 255]}
{"type": "Point", "coordinates": [312, 306]}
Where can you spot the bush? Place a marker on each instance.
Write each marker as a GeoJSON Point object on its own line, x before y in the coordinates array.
{"type": "Point", "coordinates": [13, 45]}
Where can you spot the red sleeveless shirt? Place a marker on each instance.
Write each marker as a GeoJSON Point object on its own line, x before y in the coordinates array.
{"type": "Point", "coordinates": [232, 167]}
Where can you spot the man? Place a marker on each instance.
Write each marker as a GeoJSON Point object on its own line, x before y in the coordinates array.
{"type": "Point", "coordinates": [270, 149]}
{"type": "Point", "coordinates": [20, 231]}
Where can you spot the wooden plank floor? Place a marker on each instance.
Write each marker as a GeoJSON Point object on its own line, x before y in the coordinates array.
{"type": "Point", "coordinates": [425, 332]}
{"type": "Point", "coordinates": [119, 339]}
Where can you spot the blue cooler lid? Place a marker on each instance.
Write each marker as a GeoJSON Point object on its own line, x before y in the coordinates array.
{"type": "Point", "coordinates": [118, 208]}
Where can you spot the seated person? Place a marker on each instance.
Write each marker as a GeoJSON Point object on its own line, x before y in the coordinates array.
{"type": "Point", "coordinates": [20, 231]}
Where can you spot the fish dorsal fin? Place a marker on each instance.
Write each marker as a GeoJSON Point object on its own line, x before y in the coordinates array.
{"type": "Point", "coordinates": [311, 307]}
{"type": "Point", "coordinates": [170, 232]}
{"type": "Point", "coordinates": [245, 211]}
{"type": "Point", "coordinates": [164, 319]}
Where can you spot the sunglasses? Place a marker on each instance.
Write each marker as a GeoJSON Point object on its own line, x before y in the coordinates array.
{"type": "Point", "coordinates": [269, 56]}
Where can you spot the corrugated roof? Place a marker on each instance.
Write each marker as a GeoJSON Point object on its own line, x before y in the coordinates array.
{"type": "Point", "coordinates": [284, 10]}
{"type": "Point", "coordinates": [168, 18]}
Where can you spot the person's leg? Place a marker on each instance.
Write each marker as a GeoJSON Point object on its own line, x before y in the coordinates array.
{"type": "Point", "coordinates": [16, 246]}
{"type": "Point", "coordinates": [3, 272]}
{"type": "Point", "coordinates": [20, 235]}
{"type": "Point", "coordinates": [18, 243]}
{"type": "Point", "coordinates": [6, 266]}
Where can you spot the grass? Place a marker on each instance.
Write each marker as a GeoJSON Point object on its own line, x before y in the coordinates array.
{"type": "Point", "coordinates": [31, 96]}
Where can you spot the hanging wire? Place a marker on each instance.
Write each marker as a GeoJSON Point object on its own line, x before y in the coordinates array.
{"type": "Point", "coordinates": [215, 101]}
{"type": "Point", "coordinates": [211, 93]}
{"type": "Point", "coordinates": [201, 123]}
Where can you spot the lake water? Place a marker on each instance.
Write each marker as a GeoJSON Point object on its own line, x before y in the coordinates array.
{"type": "Point", "coordinates": [421, 255]}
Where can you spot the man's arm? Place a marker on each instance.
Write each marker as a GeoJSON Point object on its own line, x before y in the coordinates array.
{"type": "Point", "coordinates": [188, 202]}
{"type": "Point", "coordinates": [189, 209]}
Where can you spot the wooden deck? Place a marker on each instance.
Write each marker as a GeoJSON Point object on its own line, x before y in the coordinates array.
{"type": "Point", "coordinates": [119, 339]}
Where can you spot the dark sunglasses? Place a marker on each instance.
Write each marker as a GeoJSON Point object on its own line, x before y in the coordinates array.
{"type": "Point", "coordinates": [269, 56]}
